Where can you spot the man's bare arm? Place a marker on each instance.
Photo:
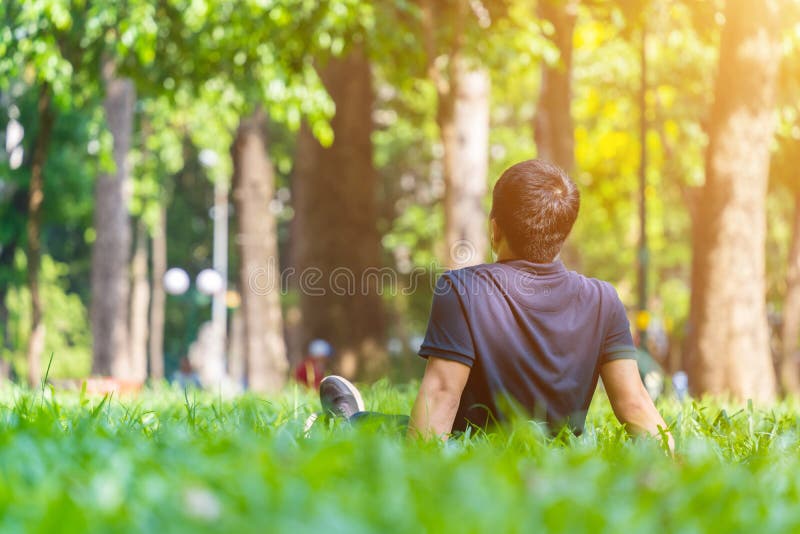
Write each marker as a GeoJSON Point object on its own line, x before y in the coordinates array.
{"type": "Point", "coordinates": [629, 399]}
{"type": "Point", "coordinates": [439, 395]}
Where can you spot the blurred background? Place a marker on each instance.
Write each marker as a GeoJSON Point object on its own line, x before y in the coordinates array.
{"type": "Point", "coordinates": [202, 188]}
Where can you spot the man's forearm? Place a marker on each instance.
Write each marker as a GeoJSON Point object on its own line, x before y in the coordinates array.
{"type": "Point", "coordinates": [629, 399]}
{"type": "Point", "coordinates": [644, 419]}
{"type": "Point", "coordinates": [438, 398]}
{"type": "Point", "coordinates": [433, 413]}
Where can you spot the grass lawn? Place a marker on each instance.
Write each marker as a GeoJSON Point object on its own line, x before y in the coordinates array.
{"type": "Point", "coordinates": [165, 463]}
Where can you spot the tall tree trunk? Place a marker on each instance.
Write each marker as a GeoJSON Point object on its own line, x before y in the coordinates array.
{"type": "Point", "coordinates": [140, 301]}
{"type": "Point", "coordinates": [790, 334]}
{"type": "Point", "coordinates": [336, 228]}
{"type": "Point", "coordinates": [254, 187]}
{"type": "Point", "coordinates": [111, 250]}
{"type": "Point", "coordinates": [553, 127]}
{"type": "Point", "coordinates": [35, 199]}
{"type": "Point", "coordinates": [462, 114]}
{"type": "Point", "coordinates": [464, 129]}
{"type": "Point", "coordinates": [731, 344]}
{"type": "Point", "coordinates": [158, 297]}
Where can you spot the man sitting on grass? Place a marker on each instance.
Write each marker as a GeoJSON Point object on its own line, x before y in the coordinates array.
{"type": "Point", "coordinates": [523, 334]}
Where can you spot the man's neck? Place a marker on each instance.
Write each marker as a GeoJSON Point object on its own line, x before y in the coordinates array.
{"type": "Point", "coordinates": [507, 255]}
{"type": "Point", "coordinates": [504, 253]}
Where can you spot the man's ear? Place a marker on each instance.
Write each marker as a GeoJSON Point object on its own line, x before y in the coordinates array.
{"type": "Point", "coordinates": [497, 235]}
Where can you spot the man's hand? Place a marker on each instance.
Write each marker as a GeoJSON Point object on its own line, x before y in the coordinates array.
{"type": "Point", "coordinates": [439, 395]}
{"type": "Point", "coordinates": [630, 401]}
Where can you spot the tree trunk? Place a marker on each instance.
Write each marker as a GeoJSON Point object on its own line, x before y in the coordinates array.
{"type": "Point", "coordinates": [34, 253]}
{"type": "Point", "coordinates": [259, 283]}
{"type": "Point", "coordinates": [111, 250]}
{"type": "Point", "coordinates": [790, 334]}
{"type": "Point", "coordinates": [335, 232]}
{"type": "Point", "coordinates": [730, 351]}
{"type": "Point", "coordinates": [553, 128]}
{"type": "Point", "coordinates": [462, 114]}
{"type": "Point", "coordinates": [464, 129]}
{"type": "Point", "coordinates": [158, 297]}
{"type": "Point", "coordinates": [140, 300]}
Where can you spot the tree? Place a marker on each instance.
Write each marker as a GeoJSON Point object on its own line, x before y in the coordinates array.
{"type": "Point", "coordinates": [784, 177]}
{"type": "Point", "coordinates": [254, 187]}
{"type": "Point", "coordinates": [553, 125]}
{"type": "Point", "coordinates": [66, 213]}
{"type": "Point", "coordinates": [790, 332]}
{"type": "Point", "coordinates": [242, 58]}
{"type": "Point", "coordinates": [139, 305]}
{"type": "Point", "coordinates": [35, 199]}
{"type": "Point", "coordinates": [462, 115]}
{"type": "Point", "coordinates": [730, 348]}
{"type": "Point", "coordinates": [21, 52]}
{"type": "Point", "coordinates": [111, 250]}
{"type": "Point", "coordinates": [158, 296]}
{"type": "Point", "coordinates": [60, 46]}
{"type": "Point", "coordinates": [335, 229]}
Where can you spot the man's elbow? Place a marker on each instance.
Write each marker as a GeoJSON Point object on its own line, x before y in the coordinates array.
{"type": "Point", "coordinates": [441, 394]}
{"type": "Point", "coordinates": [440, 386]}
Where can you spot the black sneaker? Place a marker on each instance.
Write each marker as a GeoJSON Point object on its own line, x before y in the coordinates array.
{"type": "Point", "coordinates": [339, 397]}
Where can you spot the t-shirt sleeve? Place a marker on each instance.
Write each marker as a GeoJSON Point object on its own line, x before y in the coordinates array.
{"type": "Point", "coordinates": [448, 335]}
{"type": "Point", "coordinates": [618, 343]}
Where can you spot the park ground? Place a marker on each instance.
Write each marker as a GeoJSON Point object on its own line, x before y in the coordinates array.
{"type": "Point", "coordinates": [170, 461]}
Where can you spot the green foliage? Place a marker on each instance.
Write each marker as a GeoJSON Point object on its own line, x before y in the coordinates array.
{"type": "Point", "coordinates": [65, 319]}
{"type": "Point", "coordinates": [173, 463]}
{"type": "Point", "coordinates": [69, 175]}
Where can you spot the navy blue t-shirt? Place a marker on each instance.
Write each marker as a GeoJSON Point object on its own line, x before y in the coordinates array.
{"type": "Point", "coordinates": [534, 335]}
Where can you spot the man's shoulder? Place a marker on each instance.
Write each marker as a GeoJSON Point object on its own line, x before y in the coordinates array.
{"type": "Point", "coordinates": [466, 280]}
{"type": "Point", "coordinates": [474, 274]}
{"type": "Point", "coordinates": [471, 271]}
{"type": "Point", "coordinates": [602, 289]}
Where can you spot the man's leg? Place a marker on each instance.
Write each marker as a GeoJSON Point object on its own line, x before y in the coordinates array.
{"type": "Point", "coordinates": [342, 399]}
{"type": "Point", "coordinates": [339, 397]}
{"type": "Point", "coordinates": [391, 423]}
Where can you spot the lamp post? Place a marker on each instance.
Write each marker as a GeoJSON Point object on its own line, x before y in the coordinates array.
{"type": "Point", "coordinates": [217, 279]}
{"type": "Point", "coordinates": [211, 283]}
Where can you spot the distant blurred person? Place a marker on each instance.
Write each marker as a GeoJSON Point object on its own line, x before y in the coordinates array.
{"type": "Point", "coordinates": [312, 369]}
{"type": "Point", "coordinates": [680, 385]}
{"type": "Point", "coordinates": [185, 376]}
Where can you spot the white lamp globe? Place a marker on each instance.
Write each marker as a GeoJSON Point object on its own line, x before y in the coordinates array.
{"type": "Point", "coordinates": [208, 157]}
{"type": "Point", "coordinates": [176, 281]}
{"type": "Point", "coordinates": [209, 282]}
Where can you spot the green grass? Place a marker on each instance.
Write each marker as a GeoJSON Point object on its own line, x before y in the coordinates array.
{"type": "Point", "coordinates": [168, 463]}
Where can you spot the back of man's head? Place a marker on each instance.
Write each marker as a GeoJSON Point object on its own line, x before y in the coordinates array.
{"type": "Point", "coordinates": [535, 205]}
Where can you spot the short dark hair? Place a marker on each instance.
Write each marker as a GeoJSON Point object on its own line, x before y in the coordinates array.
{"type": "Point", "coordinates": [535, 205]}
